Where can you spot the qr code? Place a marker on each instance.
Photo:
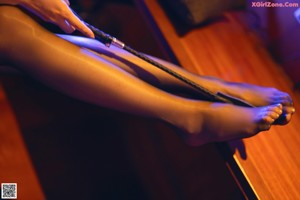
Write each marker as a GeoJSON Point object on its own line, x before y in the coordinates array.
{"type": "Point", "coordinates": [9, 191]}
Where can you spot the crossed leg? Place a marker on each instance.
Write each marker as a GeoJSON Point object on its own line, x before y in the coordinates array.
{"type": "Point", "coordinates": [85, 75]}
{"type": "Point", "coordinates": [255, 95]}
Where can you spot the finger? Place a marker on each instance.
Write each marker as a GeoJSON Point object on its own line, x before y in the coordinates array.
{"type": "Point", "coordinates": [65, 26]}
{"type": "Point", "coordinates": [78, 24]}
{"type": "Point", "coordinates": [67, 2]}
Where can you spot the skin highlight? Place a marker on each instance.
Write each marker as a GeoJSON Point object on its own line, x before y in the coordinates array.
{"type": "Point", "coordinates": [110, 78]}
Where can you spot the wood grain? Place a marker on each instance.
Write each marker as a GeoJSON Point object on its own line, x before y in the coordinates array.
{"type": "Point", "coordinates": [15, 163]}
{"type": "Point", "coordinates": [229, 49]}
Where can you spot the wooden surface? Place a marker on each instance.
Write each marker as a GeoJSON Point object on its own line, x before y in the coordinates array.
{"type": "Point", "coordinates": [115, 155]}
{"type": "Point", "coordinates": [228, 49]}
{"type": "Point", "coordinates": [15, 163]}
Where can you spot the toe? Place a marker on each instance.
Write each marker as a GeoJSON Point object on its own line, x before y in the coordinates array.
{"type": "Point", "coordinates": [288, 118]}
{"type": "Point", "coordinates": [287, 102]}
{"type": "Point", "coordinates": [288, 110]}
{"type": "Point", "coordinates": [281, 97]}
{"type": "Point", "coordinates": [267, 119]}
{"type": "Point", "coordinates": [273, 115]}
{"type": "Point", "coordinates": [285, 99]}
{"type": "Point", "coordinates": [277, 108]}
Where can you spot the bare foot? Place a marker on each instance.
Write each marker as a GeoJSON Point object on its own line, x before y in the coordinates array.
{"type": "Point", "coordinates": [222, 122]}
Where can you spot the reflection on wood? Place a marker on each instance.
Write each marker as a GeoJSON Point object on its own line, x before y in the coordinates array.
{"type": "Point", "coordinates": [15, 163]}
{"type": "Point", "coordinates": [227, 48]}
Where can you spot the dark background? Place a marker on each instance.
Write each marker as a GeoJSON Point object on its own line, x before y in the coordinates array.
{"type": "Point", "coordinates": [81, 151]}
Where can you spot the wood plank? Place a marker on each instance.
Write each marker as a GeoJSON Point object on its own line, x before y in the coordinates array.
{"type": "Point", "coordinates": [15, 163]}
{"type": "Point", "coordinates": [230, 50]}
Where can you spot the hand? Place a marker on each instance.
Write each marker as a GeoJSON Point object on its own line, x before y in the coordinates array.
{"type": "Point", "coordinates": [59, 13]}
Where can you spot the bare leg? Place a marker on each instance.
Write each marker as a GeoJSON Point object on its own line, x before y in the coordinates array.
{"type": "Point", "coordinates": [84, 75]}
{"type": "Point", "coordinates": [255, 95]}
